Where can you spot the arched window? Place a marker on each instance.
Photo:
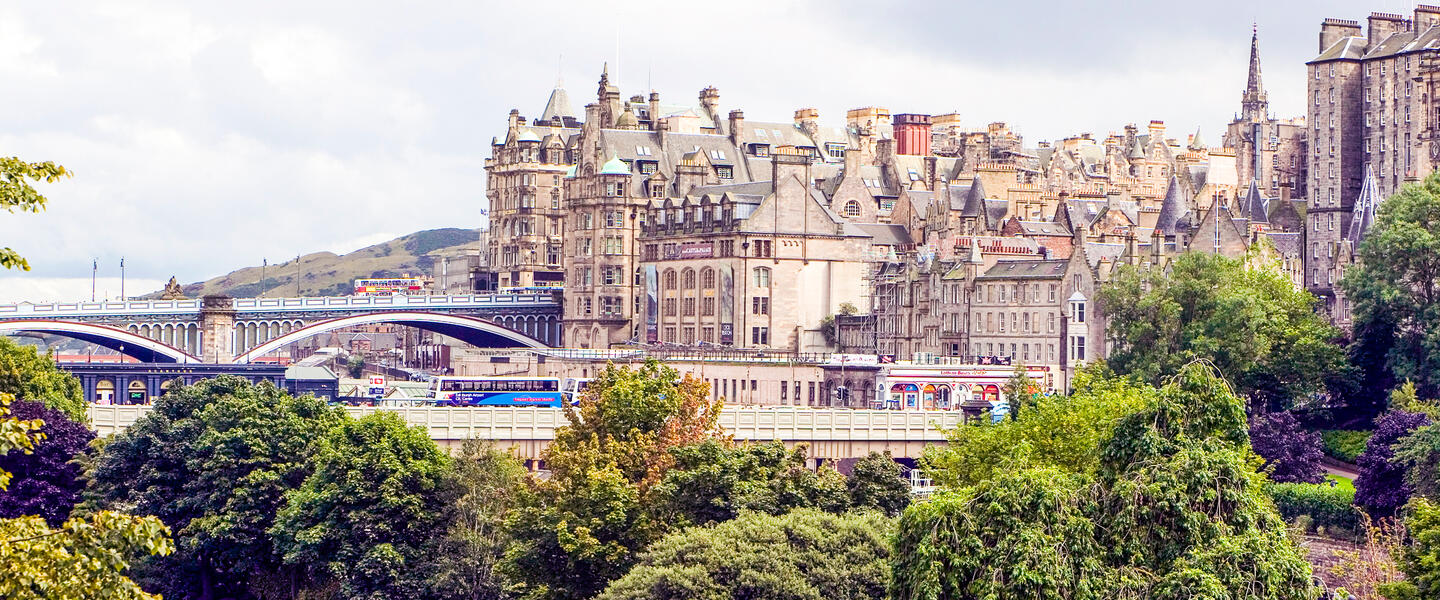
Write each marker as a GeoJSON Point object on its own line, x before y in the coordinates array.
{"type": "Point", "coordinates": [762, 277]}
{"type": "Point", "coordinates": [852, 209]}
{"type": "Point", "coordinates": [707, 278]}
{"type": "Point", "coordinates": [670, 279]}
{"type": "Point", "coordinates": [688, 279]}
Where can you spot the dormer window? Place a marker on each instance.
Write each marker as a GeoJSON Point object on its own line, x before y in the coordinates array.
{"type": "Point", "coordinates": [648, 167]}
{"type": "Point", "coordinates": [760, 149]}
{"type": "Point", "coordinates": [835, 150]}
{"type": "Point", "coordinates": [725, 172]}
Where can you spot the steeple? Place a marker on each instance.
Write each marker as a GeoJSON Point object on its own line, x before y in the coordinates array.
{"type": "Point", "coordinates": [1255, 106]}
{"type": "Point", "coordinates": [558, 106]}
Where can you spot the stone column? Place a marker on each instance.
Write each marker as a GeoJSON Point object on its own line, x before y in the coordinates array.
{"type": "Point", "coordinates": [217, 329]}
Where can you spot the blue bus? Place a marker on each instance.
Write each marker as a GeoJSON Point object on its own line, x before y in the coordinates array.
{"type": "Point", "coordinates": [497, 391]}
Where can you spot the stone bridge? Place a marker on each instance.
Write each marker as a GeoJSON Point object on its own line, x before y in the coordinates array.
{"type": "Point", "coordinates": [220, 329]}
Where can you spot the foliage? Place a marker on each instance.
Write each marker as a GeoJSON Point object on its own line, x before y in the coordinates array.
{"type": "Point", "coordinates": [1021, 392]}
{"type": "Point", "coordinates": [1174, 509]}
{"type": "Point", "coordinates": [1371, 567]}
{"type": "Point", "coordinates": [1395, 289]}
{"type": "Point", "coordinates": [492, 483]}
{"type": "Point", "coordinates": [16, 194]}
{"type": "Point", "coordinates": [1381, 485]}
{"type": "Point", "coordinates": [83, 558]}
{"type": "Point", "coordinates": [1344, 444]}
{"type": "Point", "coordinates": [829, 331]}
{"type": "Point", "coordinates": [803, 555]}
{"type": "Point", "coordinates": [368, 513]}
{"type": "Point", "coordinates": [714, 481]}
{"type": "Point", "coordinates": [44, 483]}
{"type": "Point", "coordinates": [585, 526]}
{"type": "Point", "coordinates": [30, 375]}
{"type": "Point", "coordinates": [877, 482]}
{"type": "Point", "coordinates": [1329, 507]}
{"type": "Point", "coordinates": [355, 366]}
{"type": "Point", "coordinates": [1420, 560]}
{"type": "Point", "coordinates": [213, 461]}
{"type": "Point", "coordinates": [16, 435]}
{"type": "Point", "coordinates": [1292, 454]}
{"type": "Point", "coordinates": [1062, 431]}
{"type": "Point", "coordinates": [1419, 454]}
{"type": "Point", "coordinates": [1244, 316]}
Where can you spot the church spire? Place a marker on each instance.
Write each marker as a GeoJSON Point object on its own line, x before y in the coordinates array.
{"type": "Point", "coordinates": [1254, 103]}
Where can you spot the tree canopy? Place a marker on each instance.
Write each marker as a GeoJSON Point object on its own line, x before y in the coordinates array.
{"type": "Point", "coordinates": [45, 483]}
{"type": "Point", "coordinates": [17, 194]}
{"type": "Point", "coordinates": [1171, 506]}
{"type": "Point", "coordinates": [1242, 315]}
{"type": "Point", "coordinates": [802, 555]}
{"type": "Point", "coordinates": [1395, 289]}
{"type": "Point", "coordinates": [30, 375]}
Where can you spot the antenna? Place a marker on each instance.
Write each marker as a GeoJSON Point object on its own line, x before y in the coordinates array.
{"type": "Point", "coordinates": [560, 70]}
{"type": "Point", "coordinates": [617, 55]}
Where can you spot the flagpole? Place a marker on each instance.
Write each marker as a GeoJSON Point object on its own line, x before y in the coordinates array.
{"type": "Point", "coordinates": [122, 279]}
{"type": "Point", "coordinates": [94, 269]}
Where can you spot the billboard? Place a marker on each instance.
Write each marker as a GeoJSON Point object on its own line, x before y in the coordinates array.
{"type": "Point", "coordinates": [652, 304]}
{"type": "Point", "coordinates": [727, 305]}
{"type": "Point", "coordinates": [387, 287]}
{"type": "Point", "coordinates": [689, 250]}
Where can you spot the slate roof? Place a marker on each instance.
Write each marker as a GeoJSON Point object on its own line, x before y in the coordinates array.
{"type": "Point", "coordinates": [1362, 216]}
{"type": "Point", "coordinates": [1255, 205]}
{"type": "Point", "coordinates": [882, 234]}
{"type": "Point", "coordinates": [1042, 228]}
{"type": "Point", "coordinates": [1346, 48]}
{"type": "Point", "coordinates": [1172, 209]}
{"type": "Point", "coordinates": [558, 105]}
{"type": "Point", "coordinates": [1026, 269]}
{"type": "Point", "coordinates": [1288, 244]}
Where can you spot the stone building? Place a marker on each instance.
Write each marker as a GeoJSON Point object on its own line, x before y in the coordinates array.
{"type": "Point", "coordinates": [1269, 151]}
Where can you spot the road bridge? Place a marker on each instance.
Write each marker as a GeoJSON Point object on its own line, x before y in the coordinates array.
{"type": "Point", "coordinates": [219, 329]}
{"type": "Point", "coordinates": [832, 434]}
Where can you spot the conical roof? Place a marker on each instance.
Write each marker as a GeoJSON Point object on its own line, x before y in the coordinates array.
{"type": "Point", "coordinates": [1255, 206]}
{"type": "Point", "coordinates": [974, 200]}
{"type": "Point", "coordinates": [558, 106]}
{"type": "Point", "coordinates": [1196, 143]}
{"type": "Point", "coordinates": [1172, 209]}
{"type": "Point", "coordinates": [1136, 152]}
{"type": "Point", "coordinates": [1362, 216]}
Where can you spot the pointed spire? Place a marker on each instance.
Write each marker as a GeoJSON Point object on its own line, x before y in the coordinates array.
{"type": "Point", "coordinates": [558, 105]}
{"type": "Point", "coordinates": [1172, 209]}
{"type": "Point", "coordinates": [1362, 216]}
{"type": "Point", "coordinates": [1254, 102]}
{"type": "Point", "coordinates": [1255, 206]}
{"type": "Point", "coordinates": [1196, 143]}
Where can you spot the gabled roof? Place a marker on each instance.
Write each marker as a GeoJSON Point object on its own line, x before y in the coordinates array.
{"type": "Point", "coordinates": [974, 200]}
{"type": "Point", "coordinates": [1026, 269]}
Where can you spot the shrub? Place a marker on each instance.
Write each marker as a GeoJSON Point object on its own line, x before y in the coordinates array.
{"type": "Point", "coordinates": [1331, 508]}
{"type": "Point", "coordinates": [1344, 444]}
{"type": "Point", "coordinates": [1381, 485]}
{"type": "Point", "coordinates": [1292, 454]}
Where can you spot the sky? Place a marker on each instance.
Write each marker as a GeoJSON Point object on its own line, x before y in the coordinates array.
{"type": "Point", "coordinates": [208, 136]}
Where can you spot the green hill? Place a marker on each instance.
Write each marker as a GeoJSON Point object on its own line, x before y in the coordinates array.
{"type": "Point", "coordinates": [328, 274]}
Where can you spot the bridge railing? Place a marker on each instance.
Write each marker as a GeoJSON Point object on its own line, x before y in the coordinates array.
{"type": "Point", "coordinates": [132, 307]}
{"type": "Point", "coordinates": [745, 423]}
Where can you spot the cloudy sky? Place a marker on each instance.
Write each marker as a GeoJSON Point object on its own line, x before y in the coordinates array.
{"type": "Point", "coordinates": [206, 137]}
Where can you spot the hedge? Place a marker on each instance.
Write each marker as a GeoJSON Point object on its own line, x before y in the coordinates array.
{"type": "Point", "coordinates": [1329, 507]}
{"type": "Point", "coordinates": [1344, 444]}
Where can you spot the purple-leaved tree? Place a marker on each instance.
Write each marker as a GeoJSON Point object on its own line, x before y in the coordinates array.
{"type": "Point", "coordinates": [1381, 485]}
{"type": "Point", "coordinates": [1292, 454]}
{"type": "Point", "coordinates": [44, 483]}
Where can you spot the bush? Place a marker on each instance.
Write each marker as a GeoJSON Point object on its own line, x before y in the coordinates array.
{"type": "Point", "coordinates": [1292, 454]}
{"type": "Point", "coordinates": [1329, 508]}
{"type": "Point", "coordinates": [1344, 444]}
{"type": "Point", "coordinates": [1381, 485]}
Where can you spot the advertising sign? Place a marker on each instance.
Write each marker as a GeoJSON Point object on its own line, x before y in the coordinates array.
{"type": "Point", "coordinates": [689, 250]}
{"type": "Point", "coordinates": [727, 305]}
{"type": "Point", "coordinates": [652, 304]}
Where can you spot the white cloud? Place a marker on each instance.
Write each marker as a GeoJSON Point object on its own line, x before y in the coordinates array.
{"type": "Point", "coordinates": [70, 289]}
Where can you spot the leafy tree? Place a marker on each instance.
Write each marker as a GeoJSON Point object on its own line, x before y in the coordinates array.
{"type": "Point", "coordinates": [803, 555]}
{"type": "Point", "coordinates": [714, 481]}
{"type": "Point", "coordinates": [1244, 316]}
{"type": "Point", "coordinates": [1021, 392]}
{"type": "Point", "coordinates": [30, 375]}
{"type": "Point", "coordinates": [1087, 418]}
{"type": "Point", "coordinates": [213, 461]}
{"type": "Point", "coordinates": [1420, 559]}
{"type": "Point", "coordinates": [492, 484]}
{"type": "Point", "coordinates": [16, 435]}
{"type": "Point", "coordinates": [369, 512]}
{"type": "Point", "coordinates": [1292, 454]}
{"type": "Point", "coordinates": [878, 483]}
{"type": "Point", "coordinates": [1174, 509]}
{"type": "Point", "coordinates": [355, 366]}
{"type": "Point", "coordinates": [44, 483]}
{"type": "Point", "coordinates": [1395, 289]}
{"type": "Point", "coordinates": [586, 524]}
{"type": "Point", "coordinates": [16, 194]}
{"type": "Point", "coordinates": [1419, 454]}
{"type": "Point", "coordinates": [81, 558]}
{"type": "Point", "coordinates": [1381, 485]}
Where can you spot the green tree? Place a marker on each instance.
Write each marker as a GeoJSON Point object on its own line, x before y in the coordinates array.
{"type": "Point", "coordinates": [1021, 392]}
{"type": "Point", "coordinates": [492, 484]}
{"type": "Point", "coordinates": [803, 555]}
{"type": "Point", "coordinates": [16, 194]}
{"type": "Point", "coordinates": [878, 483]}
{"type": "Point", "coordinates": [1173, 509]}
{"type": "Point", "coordinates": [16, 435]}
{"type": "Point", "coordinates": [84, 558]}
{"type": "Point", "coordinates": [1242, 315]}
{"type": "Point", "coordinates": [1395, 289]}
{"type": "Point", "coordinates": [355, 366]}
{"type": "Point", "coordinates": [33, 376]}
{"type": "Point", "coordinates": [585, 525]}
{"type": "Point", "coordinates": [213, 461]}
{"type": "Point", "coordinates": [1420, 558]}
{"type": "Point", "coordinates": [714, 481]}
{"type": "Point", "coordinates": [369, 512]}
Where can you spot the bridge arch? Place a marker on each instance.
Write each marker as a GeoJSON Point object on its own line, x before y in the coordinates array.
{"type": "Point", "coordinates": [130, 343]}
{"type": "Point", "coordinates": [467, 329]}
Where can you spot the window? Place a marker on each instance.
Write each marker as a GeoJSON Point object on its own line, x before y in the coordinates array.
{"type": "Point", "coordinates": [687, 279]}
{"type": "Point", "coordinates": [763, 248]}
{"type": "Point", "coordinates": [812, 392]}
{"type": "Point", "coordinates": [668, 309]}
{"type": "Point", "coordinates": [1077, 311]}
{"type": "Point", "coordinates": [1332, 95]}
{"type": "Point", "coordinates": [835, 150]}
{"type": "Point", "coordinates": [760, 336]}
{"type": "Point", "coordinates": [1051, 326]}
{"type": "Point", "coordinates": [586, 246]}
{"type": "Point", "coordinates": [852, 209]}
{"type": "Point", "coordinates": [648, 167]}
{"type": "Point", "coordinates": [586, 221]}
{"type": "Point", "coordinates": [707, 309]}
{"type": "Point", "coordinates": [614, 219]}
{"type": "Point", "coordinates": [762, 277]}
{"type": "Point", "coordinates": [725, 172]}
{"type": "Point", "coordinates": [760, 305]}
{"type": "Point", "coordinates": [687, 307]}
{"type": "Point", "coordinates": [1077, 348]}
{"type": "Point", "coordinates": [670, 279]}
{"type": "Point", "coordinates": [707, 278]}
